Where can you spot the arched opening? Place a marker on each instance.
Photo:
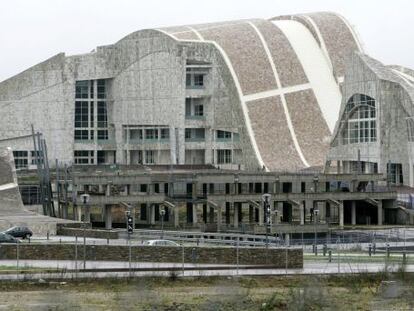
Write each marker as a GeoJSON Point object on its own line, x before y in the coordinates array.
{"type": "Point", "coordinates": [359, 120]}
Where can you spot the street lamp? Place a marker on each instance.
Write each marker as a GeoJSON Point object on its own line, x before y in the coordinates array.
{"type": "Point", "coordinates": [266, 204]}
{"type": "Point", "coordinates": [162, 214]}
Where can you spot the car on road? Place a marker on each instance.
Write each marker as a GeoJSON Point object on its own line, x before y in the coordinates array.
{"type": "Point", "coordinates": [7, 238]}
{"type": "Point", "coordinates": [161, 243]}
{"type": "Point", "coordinates": [19, 232]}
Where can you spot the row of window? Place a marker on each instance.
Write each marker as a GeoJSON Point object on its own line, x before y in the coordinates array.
{"type": "Point", "coordinates": [22, 160]}
{"type": "Point", "coordinates": [149, 133]}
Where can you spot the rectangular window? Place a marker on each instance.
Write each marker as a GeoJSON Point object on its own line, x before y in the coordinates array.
{"type": "Point", "coordinates": [84, 157]}
{"type": "Point", "coordinates": [21, 159]}
{"type": "Point", "coordinates": [223, 135]}
{"type": "Point", "coordinates": [195, 134]}
{"type": "Point", "coordinates": [102, 114]}
{"type": "Point", "coordinates": [33, 157]}
{"type": "Point", "coordinates": [102, 134]}
{"type": "Point", "coordinates": [198, 110]}
{"type": "Point", "coordinates": [101, 88]}
{"type": "Point", "coordinates": [150, 156]}
{"type": "Point", "coordinates": [395, 173]}
{"type": "Point", "coordinates": [198, 80]}
{"type": "Point", "coordinates": [151, 134]}
{"type": "Point", "coordinates": [224, 156]}
{"type": "Point", "coordinates": [83, 88]}
{"type": "Point", "coordinates": [165, 133]}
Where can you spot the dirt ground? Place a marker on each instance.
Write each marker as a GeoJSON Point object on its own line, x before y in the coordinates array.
{"type": "Point", "coordinates": [363, 292]}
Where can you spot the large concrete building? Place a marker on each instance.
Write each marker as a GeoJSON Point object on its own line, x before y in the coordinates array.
{"type": "Point", "coordinates": [249, 94]}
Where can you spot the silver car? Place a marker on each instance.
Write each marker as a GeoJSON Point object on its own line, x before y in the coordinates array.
{"type": "Point", "coordinates": [161, 243]}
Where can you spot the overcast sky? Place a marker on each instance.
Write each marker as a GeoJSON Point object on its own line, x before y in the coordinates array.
{"type": "Point", "coordinates": [34, 30]}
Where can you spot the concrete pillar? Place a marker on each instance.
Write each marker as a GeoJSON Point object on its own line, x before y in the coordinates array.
{"type": "Point", "coordinates": [64, 211]}
{"type": "Point", "coordinates": [379, 212]}
{"type": "Point", "coordinates": [261, 215]}
{"type": "Point", "coordinates": [219, 216]}
{"type": "Point", "coordinates": [78, 213]}
{"type": "Point", "coordinates": [108, 190]}
{"type": "Point", "coordinates": [152, 214]}
{"type": "Point", "coordinates": [302, 213]}
{"type": "Point", "coordinates": [341, 214]}
{"type": "Point", "coordinates": [251, 214]}
{"type": "Point", "coordinates": [87, 213]}
{"type": "Point", "coordinates": [235, 215]}
{"type": "Point", "coordinates": [195, 213]}
{"type": "Point", "coordinates": [353, 212]}
{"type": "Point", "coordinates": [176, 217]}
{"type": "Point", "coordinates": [108, 216]}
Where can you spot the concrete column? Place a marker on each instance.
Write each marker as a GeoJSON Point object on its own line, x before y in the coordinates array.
{"type": "Point", "coordinates": [176, 217]}
{"type": "Point", "coordinates": [341, 214]}
{"type": "Point", "coordinates": [108, 216]}
{"type": "Point", "coordinates": [280, 211]}
{"type": "Point", "coordinates": [65, 211]}
{"type": "Point", "coordinates": [261, 215]}
{"type": "Point", "coordinates": [353, 213]}
{"type": "Point", "coordinates": [235, 215]}
{"type": "Point", "coordinates": [152, 214]}
{"type": "Point", "coordinates": [78, 213]}
{"type": "Point", "coordinates": [195, 213]}
{"type": "Point", "coordinates": [87, 213]}
{"type": "Point", "coordinates": [219, 216]}
{"type": "Point", "coordinates": [108, 190]}
{"type": "Point", "coordinates": [379, 212]}
{"type": "Point", "coordinates": [308, 206]}
{"type": "Point", "coordinates": [302, 213]}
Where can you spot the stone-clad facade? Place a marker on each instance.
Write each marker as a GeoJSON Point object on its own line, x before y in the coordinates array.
{"type": "Point", "coordinates": [199, 94]}
{"type": "Point", "coordinates": [375, 130]}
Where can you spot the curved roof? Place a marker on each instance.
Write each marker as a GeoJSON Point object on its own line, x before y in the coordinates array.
{"type": "Point", "coordinates": [286, 71]}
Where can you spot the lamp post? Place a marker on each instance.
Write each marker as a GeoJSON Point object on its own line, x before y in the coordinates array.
{"type": "Point", "coordinates": [266, 199]}
{"type": "Point", "coordinates": [162, 214]}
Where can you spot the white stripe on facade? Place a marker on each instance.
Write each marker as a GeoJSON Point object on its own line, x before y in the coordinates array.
{"type": "Point", "coordinates": [282, 96]}
{"type": "Point", "coordinates": [199, 36]}
{"type": "Point", "coordinates": [316, 68]}
{"type": "Point", "coordinates": [277, 92]}
{"type": "Point", "coordinates": [321, 40]}
{"type": "Point", "coordinates": [239, 91]}
{"type": "Point", "coordinates": [8, 186]}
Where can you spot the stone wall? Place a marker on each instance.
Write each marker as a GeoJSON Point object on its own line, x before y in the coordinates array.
{"type": "Point", "coordinates": [89, 233]}
{"type": "Point", "coordinates": [213, 255]}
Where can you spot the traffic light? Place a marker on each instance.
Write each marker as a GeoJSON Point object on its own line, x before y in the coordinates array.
{"type": "Point", "coordinates": [130, 224]}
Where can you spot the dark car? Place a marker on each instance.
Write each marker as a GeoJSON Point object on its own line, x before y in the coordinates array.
{"type": "Point", "coordinates": [7, 238]}
{"type": "Point", "coordinates": [19, 232]}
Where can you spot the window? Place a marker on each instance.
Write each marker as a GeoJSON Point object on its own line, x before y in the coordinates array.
{"type": "Point", "coordinates": [102, 114]}
{"type": "Point", "coordinates": [84, 89]}
{"type": "Point", "coordinates": [84, 156]}
{"type": "Point", "coordinates": [198, 110]}
{"type": "Point", "coordinates": [395, 173]}
{"type": "Point", "coordinates": [20, 159]}
{"type": "Point", "coordinates": [223, 135]}
{"type": "Point", "coordinates": [410, 129]}
{"type": "Point", "coordinates": [165, 133]}
{"type": "Point", "coordinates": [150, 156]}
{"type": "Point", "coordinates": [85, 108]}
{"type": "Point", "coordinates": [101, 88]}
{"type": "Point", "coordinates": [151, 134]}
{"type": "Point", "coordinates": [194, 134]}
{"type": "Point", "coordinates": [33, 157]}
{"type": "Point", "coordinates": [198, 79]}
{"type": "Point", "coordinates": [195, 78]}
{"type": "Point", "coordinates": [102, 134]}
{"type": "Point", "coordinates": [224, 156]}
{"type": "Point", "coordinates": [360, 124]}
